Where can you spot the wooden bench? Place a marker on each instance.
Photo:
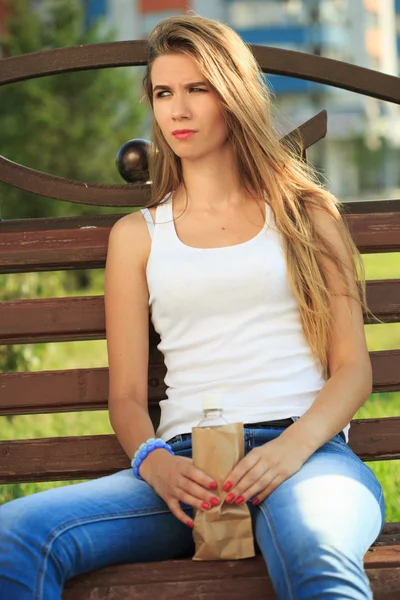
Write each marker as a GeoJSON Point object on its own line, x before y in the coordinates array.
{"type": "Point", "coordinates": [81, 242]}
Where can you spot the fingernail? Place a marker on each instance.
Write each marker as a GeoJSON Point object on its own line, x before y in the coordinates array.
{"type": "Point", "coordinates": [190, 524]}
{"type": "Point", "coordinates": [227, 486]}
{"type": "Point", "coordinates": [239, 500]}
{"type": "Point", "coordinates": [214, 501]}
{"type": "Point", "coordinates": [230, 497]}
{"type": "Point", "coordinates": [256, 501]}
{"type": "Point", "coordinates": [213, 485]}
{"type": "Point", "coordinates": [206, 506]}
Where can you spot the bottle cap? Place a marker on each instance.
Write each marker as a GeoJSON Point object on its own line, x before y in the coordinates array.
{"type": "Point", "coordinates": [212, 401]}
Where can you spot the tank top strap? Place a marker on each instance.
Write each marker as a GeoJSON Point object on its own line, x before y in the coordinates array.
{"type": "Point", "coordinates": [149, 220]}
{"type": "Point", "coordinates": [164, 229]}
{"type": "Point", "coordinates": [164, 211]}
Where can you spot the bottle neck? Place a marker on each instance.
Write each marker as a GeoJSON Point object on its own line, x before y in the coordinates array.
{"type": "Point", "coordinates": [212, 412]}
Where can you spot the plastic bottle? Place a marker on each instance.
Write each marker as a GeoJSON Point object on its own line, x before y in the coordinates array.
{"type": "Point", "coordinates": [212, 412]}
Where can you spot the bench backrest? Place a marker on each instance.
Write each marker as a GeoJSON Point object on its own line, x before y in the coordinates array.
{"type": "Point", "coordinates": [81, 243]}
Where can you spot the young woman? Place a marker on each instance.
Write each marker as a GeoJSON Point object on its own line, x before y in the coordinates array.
{"type": "Point", "coordinates": [250, 275]}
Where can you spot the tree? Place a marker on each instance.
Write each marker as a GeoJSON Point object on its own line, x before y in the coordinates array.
{"type": "Point", "coordinates": [71, 124]}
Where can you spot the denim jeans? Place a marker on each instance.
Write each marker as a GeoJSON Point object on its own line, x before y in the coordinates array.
{"type": "Point", "coordinates": [313, 530]}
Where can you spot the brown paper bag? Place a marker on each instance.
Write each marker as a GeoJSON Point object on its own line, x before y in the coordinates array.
{"type": "Point", "coordinates": [224, 532]}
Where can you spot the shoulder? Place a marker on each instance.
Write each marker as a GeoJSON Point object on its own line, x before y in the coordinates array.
{"type": "Point", "coordinates": [329, 225]}
{"type": "Point", "coordinates": [322, 219]}
{"type": "Point", "coordinates": [333, 229]}
{"type": "Point", "coordinates": [128, 224]}
{"type": "Point", "coordinates": [130, 236]}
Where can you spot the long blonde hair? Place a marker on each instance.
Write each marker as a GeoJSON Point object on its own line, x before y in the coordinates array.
{"type": "Point", "coordinates": [265, 166]}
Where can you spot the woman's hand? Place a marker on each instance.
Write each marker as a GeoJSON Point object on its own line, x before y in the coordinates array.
{"type": "Point", "coordinates": [175, 479]}
{"type": "Point", "coordinates": [263, 470]}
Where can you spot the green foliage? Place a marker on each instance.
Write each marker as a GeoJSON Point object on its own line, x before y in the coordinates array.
{"type": "Point", "coordinates": [71, 124]}
{"type": "Point", "coordinates": [371, 159]}
{"type": "Point", "coordinates": [20, 357]}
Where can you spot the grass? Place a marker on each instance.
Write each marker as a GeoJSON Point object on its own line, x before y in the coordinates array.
{"type": "Point", "coordinates": [90, 354]}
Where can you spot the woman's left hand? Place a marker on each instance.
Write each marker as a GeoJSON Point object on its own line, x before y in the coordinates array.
{"type": "Point", "coordinates": [264, 469]}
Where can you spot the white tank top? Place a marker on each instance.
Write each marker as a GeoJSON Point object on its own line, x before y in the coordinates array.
{"type": "Point", "coordinates": [229, 324]}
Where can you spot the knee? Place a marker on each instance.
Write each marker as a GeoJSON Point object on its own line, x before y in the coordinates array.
{"type": "Point", "coordinates": [28, 540]}
{"type": "Point", "coordinates": [20, 527]}
{"type": "Point", "coordinates": [327, 566]}
{"type": "Point", "coordinates": [12, 517]}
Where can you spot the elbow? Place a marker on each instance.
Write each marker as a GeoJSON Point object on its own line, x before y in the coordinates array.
{"type": "Point", "coordinates": [369, 379]}
{"type": "Point", "coordinates": [365, 377]}
{"type": "Point", "coordinates": [116, 408]}
{"type": "Point", "coordinates": [122, 408]}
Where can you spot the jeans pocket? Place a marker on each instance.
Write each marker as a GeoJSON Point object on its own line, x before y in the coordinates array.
{"type": "Point", "coordinates": [183, 448]}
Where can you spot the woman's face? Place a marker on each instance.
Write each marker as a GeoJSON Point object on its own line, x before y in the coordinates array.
{"type": "Point", "coordinates": [183, 99]}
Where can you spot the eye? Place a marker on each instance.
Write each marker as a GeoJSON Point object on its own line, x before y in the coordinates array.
{"type": "Point", "coordinates": [159, 94]}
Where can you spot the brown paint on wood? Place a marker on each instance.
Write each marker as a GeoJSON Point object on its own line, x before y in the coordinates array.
{"type": "Point", "coordinates": [81, 242]}
{"type": "Point", "coordinates": [83, 317]}
{"type": "Point", "coordinates": [134, 53]}
{"type": "Point", "coordinates": [211, 579]}
{"type": "Point", "coordinates": [86, 457]}
{"type": "Point", "coordinates": [87, 389]}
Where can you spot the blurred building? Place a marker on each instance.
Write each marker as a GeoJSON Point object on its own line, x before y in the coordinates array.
{"type": "Point", "coordinates": [361, 32]}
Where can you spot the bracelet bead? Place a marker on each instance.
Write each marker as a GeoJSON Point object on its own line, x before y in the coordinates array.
{"type": "Point", "coordinates": [144, 450]}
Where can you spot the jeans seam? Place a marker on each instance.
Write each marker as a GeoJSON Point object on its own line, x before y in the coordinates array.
{"type": "Point", "coordinates": [381, 497]}
{"type": "Point", "coordinates": [55, 534]}
{"type": "Point", "coordinates": [280, 553]}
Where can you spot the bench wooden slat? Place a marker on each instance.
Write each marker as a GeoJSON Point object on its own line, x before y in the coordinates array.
{"type": "Point", "coordinates": [384, 584]}
{"type": "Point", "coordinates": [86, 457]}
{"type": "Point", "coordinates": [81, 242]}
{"type": "Point", "coordinates": [256, 588]}
{"type": "Point", "coordinates": [278, 61]}
{"type": "Point", "coordinates": [87, 389]}
{"type": "Point", "coordinates": [213, 579]}
{"type": "Point", "coordinates": [200, 570]}
{"type": "Point", "coordinates": [83, 317]}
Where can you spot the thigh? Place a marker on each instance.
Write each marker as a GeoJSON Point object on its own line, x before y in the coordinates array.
{"type": "Point", "coordinates": [333, 504]}
{"type": "Point", "coordinates": [85, 526]}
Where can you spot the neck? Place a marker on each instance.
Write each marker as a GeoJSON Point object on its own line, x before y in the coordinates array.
{"type": "Point", "coordinates": [211, 182]}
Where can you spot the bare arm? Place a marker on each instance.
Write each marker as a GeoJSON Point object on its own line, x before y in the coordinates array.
{"type": "Point", "coordinates": [127, 313]}
{"type": "Point", "coordinates": [126, 297]}
{"type": "Point", "coordinates": [350, 381]}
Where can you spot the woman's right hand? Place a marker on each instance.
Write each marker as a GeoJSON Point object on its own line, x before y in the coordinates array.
{"type": "Point", "coordinates": [175, 479]}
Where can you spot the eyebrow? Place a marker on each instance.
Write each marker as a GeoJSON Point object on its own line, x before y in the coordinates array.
{"type": "Point", "coordinates": [166, 87]}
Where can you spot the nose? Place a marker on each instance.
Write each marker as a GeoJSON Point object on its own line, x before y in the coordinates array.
{"type": "Point", "coordinates": [180, 107]}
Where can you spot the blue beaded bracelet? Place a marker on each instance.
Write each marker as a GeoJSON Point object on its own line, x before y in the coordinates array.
{"type": "Point", "coordinates": [145, 449]}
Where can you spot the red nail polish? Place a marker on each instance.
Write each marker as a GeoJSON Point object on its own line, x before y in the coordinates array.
{"type": "Point", "coordinates": [239, 500]}
{"type": "Point", "coordinates": [214, 501]}
{"type": "Point", "coordinates": [190, 524]}
{"type": "Point", "coordinates": [227, 486]}
{"type": "Point", "coordinates": [205, 506]}
{"type": "Point", "coordinates": [213, 485]}
{"type": "Point", "coordinates": [256, 501]}
{"type": "Point", "coordinates": [230, 498]}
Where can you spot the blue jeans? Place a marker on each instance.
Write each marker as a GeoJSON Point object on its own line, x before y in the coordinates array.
{"type": "Point", "coordinates": [313, 530]}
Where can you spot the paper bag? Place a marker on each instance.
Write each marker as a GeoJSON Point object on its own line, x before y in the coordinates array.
{"type": "Point", "coordinates": [224, 532]}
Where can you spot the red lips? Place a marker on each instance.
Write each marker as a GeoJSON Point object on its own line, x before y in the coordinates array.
{"type": "Point", "coordinates": [180, 131]}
